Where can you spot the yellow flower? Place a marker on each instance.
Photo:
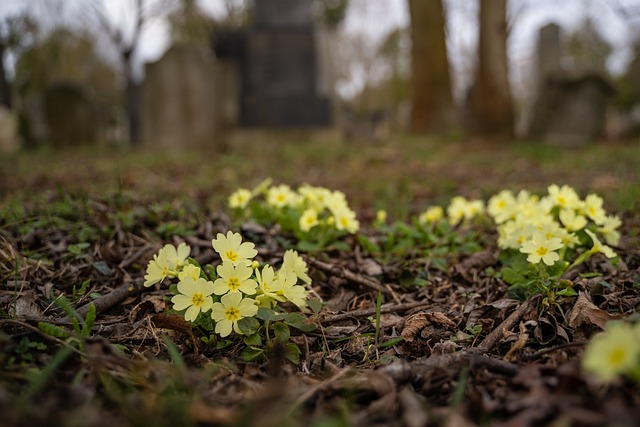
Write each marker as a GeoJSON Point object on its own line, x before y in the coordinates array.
{"type": "Point", "coordinates": [290, 290]}
{"type": "Point", "coordinates": [234, 279]}
{"type": "Point", "coordinates": [542, 249]}
{"type": "Point", "coordinates": [231, 309]}
{"type": "Point", "coordinates": [281, 196]}
{"type": "Point", "coordinates": [462, 209]}
{"type": "Point", "coordinates": [240, 198]}
{"type": "Point", "coordinates": [189, 270]}
{"type": "Point", "coordinates": [294, 262]}
{"type": "Point", "coordinates": [501, 205]}
{"type": "Point", "coordinates": [432, 215]}
{"type": "Point", "coordinates": [381, 216]}
{"type": "Point", "coordinates": [268, 287]}
{"type": "Point", "coordinates": [609, 231]}
{"type": "Point", "coordinates": [168, 262]}
{"type": "Point", "coordinates": [598, 247]}
{"type": "Point", "coordinates": [345, 219]}
{"type": "Point", "coordinates": [231, 248]}
{"type": "Point", "coordinates": [308, 220]}
{"type": "Point", "coordinates": [613, 352]}
{"type": "Point", "coordinates": [571, 220]}
{"type": "Point", "coordinates": [195, 296]}
{"type": "Point", "coordinates": [593, 209]}
{"type": "Point", "coordinates": [565, 196]}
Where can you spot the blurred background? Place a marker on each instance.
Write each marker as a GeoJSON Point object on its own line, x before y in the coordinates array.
{"type": "Point", "coordinates": [185, 73]}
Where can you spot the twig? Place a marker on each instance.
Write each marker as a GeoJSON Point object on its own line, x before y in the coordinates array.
{"type": "Point", "coordinates": [350, 275]}
{"type": "Point", "coordinates": [494, 336]}
{"type": "Point", "coordinates": [42, 334]}
{"type": "Point", "coordinates": [415, 370]}
{"type": "Point", "coordinates": [387, 308]}
{"type": "Point", "coordinates": [114, 297]}
{"type": "Point", "coordinates": [554, 348]}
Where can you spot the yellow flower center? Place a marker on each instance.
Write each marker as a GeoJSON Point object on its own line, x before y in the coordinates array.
{"type": "Point", "coordinates": [233, 283]}
{"type": "Point", "coordinates": [197, 300]}
{"type": "Point", "coordinates": [617, 356]}
{"type": "Point", "coordinates": [232, 313]}
{"type": "Point", "coordinates": [542, 251]}
{"type": "Point", "coordinates": [561, 201]}
{"type": "Point", "coordinates": [231, 255]}
{"type": "Point", "coordinates": [281, 198]}
{"type": "Point", "coordinates": [265, 286]}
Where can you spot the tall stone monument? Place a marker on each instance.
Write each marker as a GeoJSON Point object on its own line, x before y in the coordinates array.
{"type": "Point", "coordinates": [278, 65]}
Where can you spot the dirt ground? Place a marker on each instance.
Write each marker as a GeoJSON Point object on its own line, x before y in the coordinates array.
{"type": "Point", "coordinates": [414, 338]}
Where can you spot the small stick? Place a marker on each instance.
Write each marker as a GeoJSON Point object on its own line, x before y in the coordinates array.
{"type": "Point", "coordinates": [494, 336]}
{"type": "Point", "coordinates": [387, 308]}
{"type": "Point", "coordinates": [114, 297]}
{"type": "Point", "coordinates": [351, 276]}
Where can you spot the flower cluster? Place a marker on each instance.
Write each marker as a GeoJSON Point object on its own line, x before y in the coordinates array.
{"type": "Point", "coordinates": [239, 286]}
{"type": "Point", "coordinates": [460, 210]}
{"type": "Point", "coordinates": [543, 228]}
{"type": "Point", "coordinates": [614, 353]}
{"type": "Point", "coordinates": [306, 210]}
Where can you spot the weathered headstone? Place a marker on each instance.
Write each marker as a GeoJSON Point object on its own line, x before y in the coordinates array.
{"type": "Point", "coordinates": [278, 64]}
{"type": "Point", "coordinates": [72, 117]}
{"type": "Point", "coordinates": [568, 110]}
{"type": "Point", "coordinates": [187, 99]}
{"type": "Point", "coordinates": [9, 142]}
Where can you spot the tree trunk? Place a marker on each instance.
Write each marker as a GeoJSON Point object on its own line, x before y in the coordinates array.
{"type": "Point", "coordinates": [491, 105]}
{"type": "Point", "coordinates": [432, 102]}
{"type": "Point", "coordinates": [132, 101]}
{"type": "Point", "coordinates": [5, 89]}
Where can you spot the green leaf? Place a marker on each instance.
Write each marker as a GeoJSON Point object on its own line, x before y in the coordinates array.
{"type": "Point", "coordinates": [299, 321]}
{"type": "Point", "coordinates": [249, 325]}
{"type": "Point", "coordinates": [567, 292]}
{"type": "Point", "coordinates": [292, 352]}
{"type": "Point", "coordinates": [308, 246]}
{"type": "Point", "coordinates": [103, 268]}
{"type": "Point", "coordinates": [368, 244]}
{"type": "Point", "coordinates": [341, 246]}
{"type": "Point", "coordinates": [53, 330]}
{"type": "Point", "coordinates": [254, 340]}
{"type": "Point", "coordinates": [250, 354]}
{"type": "Point", "coordinates": [391, 342]}
{"type": "Point", "coordinates": [281, 332]}
{"type": "Point", "coordinates": [265, 314]}
{"type": "Point", "coordinates": [513, 276]}
{"type": "Point", "coordinates": [315, 304]}
{"type": "Point", "coordinates": [89, 320]}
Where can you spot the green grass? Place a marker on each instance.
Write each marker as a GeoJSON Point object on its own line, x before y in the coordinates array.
{"type": "Point", "coordinates": [402, 175]}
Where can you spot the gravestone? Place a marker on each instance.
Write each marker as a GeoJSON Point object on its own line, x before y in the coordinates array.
{"type": "Point", "coordinates": [187, 99]}
{"type": "Point", "coordinates": [72, 118]}
{"type": "Point", "coordinates": [9, 142]}
{"type": "Point", "coordinates": [278, 63]}
{"type": "Point", "coordinates": [568, 110]}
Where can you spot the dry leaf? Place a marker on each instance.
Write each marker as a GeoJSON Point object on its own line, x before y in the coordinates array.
{"type": "Point", "coordinates": [584, 311]}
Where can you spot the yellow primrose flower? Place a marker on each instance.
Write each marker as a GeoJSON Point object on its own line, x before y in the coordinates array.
{"type": "Point", "coordinates": [613, 352]}
{"type": "Point", "coordinates": [280, 196]}
{"type": "Point", "coordinates": [462, 209]}
{"type": "Point", "coordinates": [593, 209]}
{"type": "Point", "coordinates": [268, 287]}
{"type": "Point", "coordinates": [381, 216]}
{"type": "Point", "coordinates": [231, 248]}
{"type": "Point", "coordinates": [432, 215]}
{"type": "Point", "coordinates": [542, 249]}
{"type": "Point", "coordinates": [500, 206]}
{"type": "Point", "coordinates": [232, 308]}
{"type": "Point", "coordinates": [290, 290]}
{"type": "Point", "coordinates": [240, 198]}
{"type": "Point", "coordinates": [195, 296]}
{"type": "Point", "coordinates": [345, 219]}
{"type": "Point", "coordinates": [571, 220]}
{"type": "Point", "coordinates": [565, 196]}
{"type": "Point", "coordinates": [609, 231]}
{"type": "Point", "coordinates": [294, 262]}
{"type": "Point", "coordinates": [168, 262]}
{"type": "Point", "coordinates": [189, 270]}
{"type": "Point", "coordinates": [234, 279]}
{"type": "Point", "coordinates": [308, 220]}
{"type": "Point", "coordinates": [598, 247]}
